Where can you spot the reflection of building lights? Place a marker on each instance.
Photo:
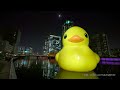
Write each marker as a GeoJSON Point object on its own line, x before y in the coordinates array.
{"type": "Point", "coordinates": [24, 62]}
{"type": "Point", "coordinates": [0, 51]}
{"type": "Point", "coordinates": [36, 61]}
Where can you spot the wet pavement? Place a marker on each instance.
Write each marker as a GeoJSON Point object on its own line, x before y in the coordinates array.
{"type": "Point", "coordinates": [4, 73]}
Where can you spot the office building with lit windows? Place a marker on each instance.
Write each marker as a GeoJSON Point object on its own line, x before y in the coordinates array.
{"type": "Point", "coordinates": [17, 36]}
{"type": "Point", "coordinates": [115, 52]}
{"type": "Point", "coordinates": [99, 44]}
{"type": "Point", "coordinates": [12, 34]}
{"type": "Point", "coordinates": [52, 44]}
{"type": "Point", "coordinates": [24, 50]}
{"type": "Point", "coordinates": [67, 25]}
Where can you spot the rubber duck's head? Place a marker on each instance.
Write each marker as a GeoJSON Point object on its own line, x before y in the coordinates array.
{"type": "Point", "coordinates": [75, 36]}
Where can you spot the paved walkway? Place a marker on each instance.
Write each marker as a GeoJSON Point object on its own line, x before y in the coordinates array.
{"type": "Point", "coordinates": [4, 73]}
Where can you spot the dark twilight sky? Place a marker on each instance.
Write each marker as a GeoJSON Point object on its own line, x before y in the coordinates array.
{"type": "Point", "coordinates": [38, 25]}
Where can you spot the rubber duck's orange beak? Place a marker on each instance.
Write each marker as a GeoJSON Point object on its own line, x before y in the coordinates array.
{"type": "Point", "coordinates": [75, 39]}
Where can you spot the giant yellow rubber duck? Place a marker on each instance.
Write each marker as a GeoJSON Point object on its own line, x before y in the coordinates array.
{"type": "Point", "coordinates": [76, 54]}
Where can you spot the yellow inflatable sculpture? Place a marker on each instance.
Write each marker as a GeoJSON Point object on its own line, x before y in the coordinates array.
{"type": "Point", "coordinates": [63, 74]}
{"type": "Point", "coordinates": [76, 54]}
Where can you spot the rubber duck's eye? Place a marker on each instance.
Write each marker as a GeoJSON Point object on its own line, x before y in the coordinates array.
{"type": "Point", "coordinates": [86, 35]}
{"type": "Point", "coordinates": [65, 36]}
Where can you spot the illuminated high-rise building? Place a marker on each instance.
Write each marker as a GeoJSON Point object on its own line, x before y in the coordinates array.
{"type": "Point", "coordinates": [52, 44]}
{"type": "Point", "coordinates": [67, 25]}
{"type": "Point", "coordinates": [17, 36]}
{"type": "Point", "coordinates": [99, 44]}
{"type": "Point", "coordinates": [115, 52]}
{"type": "Point", "coordinates": [46, 47]}
{"type": "Point", "coordinates": [12, 34]}
{"type": "Point", "coordinates": [24, 50]}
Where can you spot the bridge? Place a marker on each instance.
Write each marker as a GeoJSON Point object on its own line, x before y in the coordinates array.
{"type": "Point", "coordinates": [50, 56]}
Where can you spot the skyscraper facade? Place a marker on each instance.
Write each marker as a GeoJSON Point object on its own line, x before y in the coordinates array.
{"type": "Point", "coordinates": [67, 25]}
{"type": "Point", "coordinates": [99, 44]}
{"type": "Point", "coordinates": [52, 44]}
{"type": "Point", "coordinates": [17, 36]}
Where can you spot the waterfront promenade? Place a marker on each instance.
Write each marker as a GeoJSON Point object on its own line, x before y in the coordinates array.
{"type": "Point", "coordinates": [4, 69]}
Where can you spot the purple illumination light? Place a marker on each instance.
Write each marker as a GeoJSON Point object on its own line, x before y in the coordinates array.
{"type": "Point", "coordinates": [103, 62]}
{"type": "Point", "coordinates": [102, 59]}
{"type": "Point", "coordinates": [110, 63]}
{"type": "Point", "coordinates": [116, 59]}
{"type": "Point", "coordinates": [107, 58]}
{"type": "Point", "coordinates": [110, 59]}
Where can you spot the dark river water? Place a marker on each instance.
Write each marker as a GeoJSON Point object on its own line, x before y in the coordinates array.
{"type": "Point", "coordinates": [37, 68]}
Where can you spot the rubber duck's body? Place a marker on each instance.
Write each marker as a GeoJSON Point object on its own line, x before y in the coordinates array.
{"type": "Point", "coordinates": [76, 54]}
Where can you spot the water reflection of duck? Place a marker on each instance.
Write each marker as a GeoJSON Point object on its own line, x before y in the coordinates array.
{"type": "Point", "coordinates": [63, 74]}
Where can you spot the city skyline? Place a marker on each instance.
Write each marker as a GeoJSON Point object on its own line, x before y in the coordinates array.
{"type": "Point", "coordinates": [38, 25]}
{"type": "Point", "coordinates": [30, 43]}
